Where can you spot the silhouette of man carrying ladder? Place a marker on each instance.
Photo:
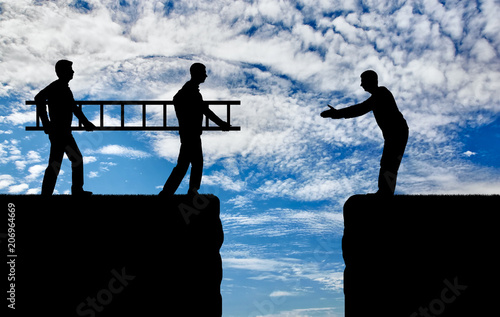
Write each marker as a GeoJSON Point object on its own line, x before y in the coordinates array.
{"type": "Point", "coordinates": [190, 108]}
{"type": "Point", "coordinates": [391, 122]}
{"type": "Point", "coordinates": [62, 106]}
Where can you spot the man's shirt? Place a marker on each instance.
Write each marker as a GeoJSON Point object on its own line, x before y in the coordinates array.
{"type": "Point", "coordinates": [61, 105]}
{"type": "Point", "coordinates": [189, 108]}
{"type": "Point", "coordinates": [386, 112]}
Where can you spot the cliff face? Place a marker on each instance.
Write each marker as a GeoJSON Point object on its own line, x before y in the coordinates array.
{"type": "Point", "coordinates": [116, 256]}
{"type": "Point", "coordinates": [420, 255]}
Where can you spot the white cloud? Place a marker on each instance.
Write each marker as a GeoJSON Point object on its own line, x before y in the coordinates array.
{"type": "Point", "coordinates": [257, 264]}
{"type": "Point", "coordinates": [280, 222]}
{"type": "Point", "coordinates": [6, 180]}
{"type": "Point", "coordinates": [17, 189]}
{"type": "Point", "coordinates": [29, 158]}
{"type": "Point", "coordinates": [33, 191]}
{"type": "Point", "coordinates": [35, 172]}
{"type": "Point", "coordinates": [289, 269]}
{"type": "Point", "coordinates": [483, 51]}
{"type": "Point", "coordinates": [9, 151]}
{"type": "Point", "coordinates": [282, 294]}
{"type": "Point", "coordinates": [308, 312]}
{"type": "Point", "coordinates": [89, 159]}
{"type": "Point", "coordinates": [242, 202]}
{"type": "Point", "coordinates": [120, 150]}
{"type": "Point", "coordinates": [18, 118]}
{"type": "Point", "coordinates": [93, 174]}
{"type": "Point", "coordinates": [105, 166]}
{"type": "Point", "coordinates": [226, 182]}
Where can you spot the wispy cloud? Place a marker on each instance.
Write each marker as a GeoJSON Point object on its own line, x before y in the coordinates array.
{"type": "Point", "coordinates": [308, 312]}
{"type": "Point", "coordinates": [282, 294]}
{"type": "Point", "coordinates": [224, 181]}
{"type": "Point", "coordinates": [17, 189]}
{"type": "Point", "coordinates": [93, 174]}
{"type": "Point", "coordinates": [280, 222]}
{"type": "Point", "coordinates": [35, 172]}
{"type": "Point", "coordinates": [119, 150]}
{"type": "Point", "coordinates": [258, 264]}
{"type": "Point", "coordinates": [6, 180]}
{"type": "Point", "coordinates": [289, 270]}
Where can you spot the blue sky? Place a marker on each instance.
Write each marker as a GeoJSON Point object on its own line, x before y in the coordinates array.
{"type": "Point", "coordinates": [284, 177]}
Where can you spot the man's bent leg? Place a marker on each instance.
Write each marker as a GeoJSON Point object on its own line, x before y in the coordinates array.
{"type": "Point", "coordinates": [389, 164]}
{"type": "Point", "coordinates": [387, 181]}
{"type": "Point", "coordinates": [196, 166]}
{"type": "Point", "coordinates": [178, 173]}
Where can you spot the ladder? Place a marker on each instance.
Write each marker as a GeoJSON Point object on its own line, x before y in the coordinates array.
{"type": "Point", "coordinates": [143, 127]}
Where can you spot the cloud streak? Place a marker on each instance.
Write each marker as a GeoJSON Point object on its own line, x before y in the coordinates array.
{"type": "Point", "coordinates": [119, 150]}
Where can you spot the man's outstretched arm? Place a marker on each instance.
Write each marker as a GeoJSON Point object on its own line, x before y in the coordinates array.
{"type": "Point", "coordinates": [349, 112]}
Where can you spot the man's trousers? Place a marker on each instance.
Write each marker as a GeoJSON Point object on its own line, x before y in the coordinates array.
{"type": "Point", "coordinates": [394, 148]}
{"type": "Point", "coordinates": [60, 144]}
{"type": "Point", "coordinates": [190, 153]}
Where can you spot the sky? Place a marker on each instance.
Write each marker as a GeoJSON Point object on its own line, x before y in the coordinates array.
{"type": "Point", "coordinates": [283, 179]}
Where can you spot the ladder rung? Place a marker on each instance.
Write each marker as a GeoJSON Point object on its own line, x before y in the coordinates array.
{"type": "Point", "coordinates": [144, 115]}
{"type": "Point", "coordinates": [122, 115]}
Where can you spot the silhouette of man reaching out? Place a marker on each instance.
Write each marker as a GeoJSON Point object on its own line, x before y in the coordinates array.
{"type": "Point", "coordinates": [62, 106]}
{"type": "Point", "coordinates": [190, 108]}
{"type": "Point", "coordinates": [391, 122]}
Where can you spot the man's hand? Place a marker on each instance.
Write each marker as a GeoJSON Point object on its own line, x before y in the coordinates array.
{"type": "Point", "coordinates": [225, 126]}
{"type": "Point", "coordinates": [332, 113]}
{"type": "Point", "coordinates": [89, 126]}
{"type": "Point", "coordinates": [47, 128]}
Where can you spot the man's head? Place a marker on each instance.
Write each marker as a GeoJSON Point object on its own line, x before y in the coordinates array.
{"type": "Point", "coordinates": [369, 80]}
{"type": "Point", "coordinates": [198, 72]}
{"type": "Point", "coordinates": [64, 70]}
